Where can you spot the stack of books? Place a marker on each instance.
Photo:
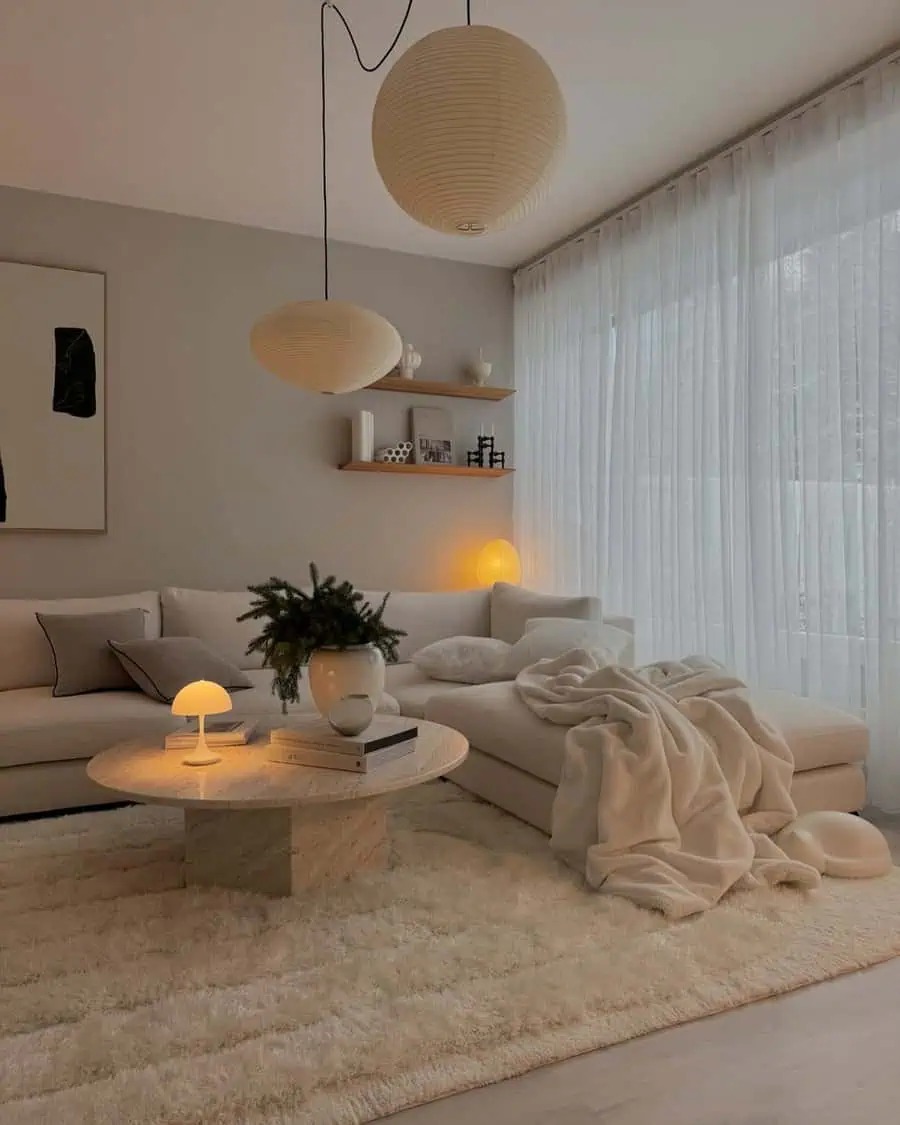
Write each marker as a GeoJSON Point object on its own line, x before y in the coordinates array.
{"type": "Point", "coordinates": [313, 742]}
{"type": "Point", "coordinates": [219, 732]}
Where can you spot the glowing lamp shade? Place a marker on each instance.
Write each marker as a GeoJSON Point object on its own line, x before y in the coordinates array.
{"type": "Point", "coordinates": [201, 698]}
{"type": "Point", "coordinates": [467, 128]}
{"type": "Point", "coordinates": [328, 346]}
{"type": "Point", "coordinates": [498, 561]}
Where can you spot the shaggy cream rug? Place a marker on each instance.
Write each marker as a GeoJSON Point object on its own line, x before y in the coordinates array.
{"type": "Point", "coordinates": [128, 1000]}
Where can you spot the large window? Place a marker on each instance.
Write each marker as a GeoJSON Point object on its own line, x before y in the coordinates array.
{"type": "Point", "coordinates": [708, 423]}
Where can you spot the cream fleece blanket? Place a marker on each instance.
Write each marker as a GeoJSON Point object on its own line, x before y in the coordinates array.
{"type": "Point", "coordinates": [672, 784]}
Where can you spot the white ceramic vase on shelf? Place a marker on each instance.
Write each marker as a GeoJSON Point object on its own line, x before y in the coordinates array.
{"type": "Point", "coordinates": [336, 673]}
{"type": "Point", "coordinates": [480, 370]}
{"type": "Point", "coordinates": [410, 362]}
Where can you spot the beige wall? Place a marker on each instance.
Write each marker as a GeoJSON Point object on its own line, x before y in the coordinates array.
{"type": "Point", "coordinates": [218, 473]}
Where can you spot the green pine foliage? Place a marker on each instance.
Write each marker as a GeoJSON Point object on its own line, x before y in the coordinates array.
{"type": "Point", "coordinates": [333, 615]}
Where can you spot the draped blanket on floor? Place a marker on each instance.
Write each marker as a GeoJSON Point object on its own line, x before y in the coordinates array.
{"type": "Point", "coordinates": [672, 786]}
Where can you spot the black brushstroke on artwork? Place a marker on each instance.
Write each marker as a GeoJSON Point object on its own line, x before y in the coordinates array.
{"type": "Point", "coordinates": [75, 376]}
{"type": "Point", "coordinates": [2, 494]}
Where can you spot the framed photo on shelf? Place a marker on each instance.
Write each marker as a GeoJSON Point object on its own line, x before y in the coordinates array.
{"type": "Point", "coordinates": [432, 435]}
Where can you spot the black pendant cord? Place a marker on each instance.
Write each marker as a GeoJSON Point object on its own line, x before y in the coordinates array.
{"type": "Point", "coordinates": [468, 13]}
{"type": "Point", "coordinates": [324, 143]}
{"type": "Point", "coordinates": [369, 70]}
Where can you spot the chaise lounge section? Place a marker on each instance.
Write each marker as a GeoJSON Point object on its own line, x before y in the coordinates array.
{"type": "Point", "coordinates": [515, 759]}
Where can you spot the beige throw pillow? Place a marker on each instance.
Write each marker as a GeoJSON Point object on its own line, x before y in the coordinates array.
{"type": "Point", "coordinates": [82, 657]}
{"type": "Point", "coordinates": [462, 660]}
{"type": "Point", "coordinates": [547, 638]}
{"type": "Point", "coordinates": [511, 607]}
{"type": "Point", "coordinates": [162, 666]}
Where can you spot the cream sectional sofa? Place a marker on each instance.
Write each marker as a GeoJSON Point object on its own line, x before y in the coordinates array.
{"type": "Point", "coordinates": [515, 758]}
{"type": "Point", "coordinates": [45, 742]}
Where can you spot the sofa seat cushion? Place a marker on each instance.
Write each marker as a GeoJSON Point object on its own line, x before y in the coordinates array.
{"type": "Point", "coordinates": [412, 689]}
{"type": "Point", "coordinates": [495, 720]}
{"type": "Point", "coordinates": [36, 727]}
{"type": "Point", "coordinates": [817, 733]}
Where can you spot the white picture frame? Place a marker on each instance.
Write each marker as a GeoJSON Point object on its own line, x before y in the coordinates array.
{"type": "Point", "coordinates": [432, 436]}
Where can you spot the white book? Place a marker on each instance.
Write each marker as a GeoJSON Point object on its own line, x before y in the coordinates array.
{"type": "Point", "coordinates": [327, 759]}
{"type": "Point", "coordinates": [219, 732]}
{"type": "Point", "coordinates": [316, 733]}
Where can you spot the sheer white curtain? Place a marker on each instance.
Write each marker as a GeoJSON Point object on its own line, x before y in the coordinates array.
{"type": "Point", "coordinates": [708, 416]}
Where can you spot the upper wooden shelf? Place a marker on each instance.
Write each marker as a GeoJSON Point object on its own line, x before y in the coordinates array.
{"type": "Point", "coordinates": [425, 470]}
{"type": "Point", "coordinates": [447, 390]}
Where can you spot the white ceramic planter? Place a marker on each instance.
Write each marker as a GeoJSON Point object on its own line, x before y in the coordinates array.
{"type": "Point", "coordinates": [480, 371]}
{"type": "Point", "coordinates": [336, 673]}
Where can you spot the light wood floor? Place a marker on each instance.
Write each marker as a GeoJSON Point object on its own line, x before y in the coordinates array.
{"type": "Point", "coordinates": [826, 1055]}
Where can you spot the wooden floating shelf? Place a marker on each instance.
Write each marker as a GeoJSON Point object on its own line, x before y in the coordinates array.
{"type": "Point", "coordinates": [424, 470]}
{"type": "Point", "coordinates": [446, 390]}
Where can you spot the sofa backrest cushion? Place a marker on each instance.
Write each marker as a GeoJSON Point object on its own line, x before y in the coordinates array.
{"type": "Point", "coordinates": [211, 615]}
{"type": "Point", "coordinates": [512, 606]}
{"type": "Point", "coordinates": [26, 659]}
{"type": "Point", "coordinates": [427, 618]}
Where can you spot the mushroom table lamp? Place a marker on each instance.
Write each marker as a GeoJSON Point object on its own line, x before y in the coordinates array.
{"type": "Point", "coordinates": [201, 698]}
{"type": "Point", "coordinates": [498, 562]}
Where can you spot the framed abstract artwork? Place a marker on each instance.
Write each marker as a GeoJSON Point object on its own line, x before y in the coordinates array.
{"type": "Point", "coordinates": [52, 399]}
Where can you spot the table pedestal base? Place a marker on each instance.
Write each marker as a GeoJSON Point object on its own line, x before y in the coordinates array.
{"type": "Point", "coordinates": [285, 850]}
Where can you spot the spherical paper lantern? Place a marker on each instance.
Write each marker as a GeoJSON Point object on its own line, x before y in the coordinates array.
{"type": "Point", "coordinates": [466, 130]}
{"type": "Point", "coordinates": [498, 561]}
{"type": "Point", "coordinates": [329, 346]}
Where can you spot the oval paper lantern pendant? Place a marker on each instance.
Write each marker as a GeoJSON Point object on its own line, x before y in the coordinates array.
{"type": "Point", "coordinates": [329, 346]}
{"type": "Point", "coordinates": [466, 129]}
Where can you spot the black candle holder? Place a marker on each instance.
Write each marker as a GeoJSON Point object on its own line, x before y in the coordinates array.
{"type": "Point", "coordinates": [486, 456]}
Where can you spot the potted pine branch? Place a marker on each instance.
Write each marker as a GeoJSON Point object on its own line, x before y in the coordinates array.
{"type": "Point", "coordinates": [332, 629]}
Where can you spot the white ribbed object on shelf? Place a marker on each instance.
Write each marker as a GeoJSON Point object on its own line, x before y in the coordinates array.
{"type": "Point", "coordinates": [466, 129]}
{"type": "Point", "coordinates": [330, 346]}
{"type": "Point", "coordinates": [363, 435]}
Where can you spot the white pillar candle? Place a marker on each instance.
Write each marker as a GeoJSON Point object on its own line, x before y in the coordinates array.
{"type": "Point", "coordinates": [363, 434]}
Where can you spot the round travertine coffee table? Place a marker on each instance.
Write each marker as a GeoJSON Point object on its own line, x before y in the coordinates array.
{"type": "Point", "coordinates": [255, 825]}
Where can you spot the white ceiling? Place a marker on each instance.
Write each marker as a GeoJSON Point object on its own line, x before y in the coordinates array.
{"type": "Point", "coordinates": [210, 107]}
